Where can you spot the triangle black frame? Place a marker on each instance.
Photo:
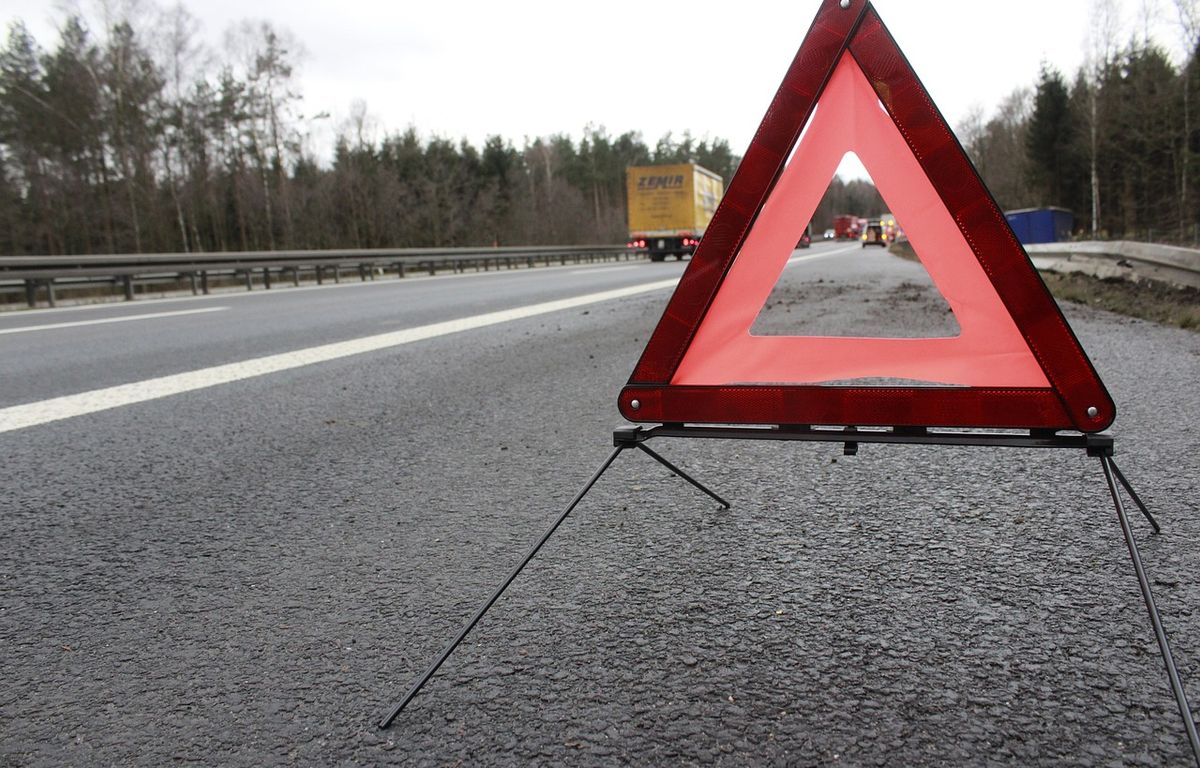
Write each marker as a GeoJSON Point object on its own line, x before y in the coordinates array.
{"type": "Point", "coordinates": [1098, 445]}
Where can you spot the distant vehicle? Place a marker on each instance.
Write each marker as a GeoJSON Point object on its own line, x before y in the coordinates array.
{"type": "Point", "coordinates": [873, 234]}
{"type": "Point", "coordinates": [829, 234]}
{"type": "Point", "coordinates": [670, 207]}
{"type": "Point", "coordinates": [1041, 225]}
{"type": "Point", "coordinates": [806, 238]}
{"type": "Point", "coordinates": [845, 227]}
{"type": "Point", "coordinates": [890, 227]}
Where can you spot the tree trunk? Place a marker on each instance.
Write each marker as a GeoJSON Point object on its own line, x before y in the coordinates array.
{"type": "Point", "coordinates": [1095, 172]}
{"type": "Point", "coordinates": [179, 218]}
{"type": "Point", "coordinates": [1186, 151]}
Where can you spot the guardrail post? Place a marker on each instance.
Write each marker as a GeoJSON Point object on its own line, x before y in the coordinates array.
{"type": "Point", "coordinates": [400, 269]}
{"type": "Point", "coordinates": [50, 291]}
{"type": "Point", "coordinates": [320, 275]}
{"type": "Point", "coordinates": [267, 278]}
{"type": "Point", "coordinates": [337, 273]}
{"type": "Point", "coordinates": [249, 280]}
{"type": "Point", "coordinates": [204, 281]}
{"type": "Point", "coordinates": [127, 280]}
{"type": "Point", "coordinates": [296, 276]}
{"type": "Point", "coordinates": [192, 281]}
{"type": "Point", "coordinates": [31, 293]}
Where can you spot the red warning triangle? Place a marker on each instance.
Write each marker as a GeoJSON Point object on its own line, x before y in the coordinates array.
{"type": "Point", "coordinates": [1015, 363]}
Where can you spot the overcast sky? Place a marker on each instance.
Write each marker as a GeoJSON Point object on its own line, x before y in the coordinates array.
{"type": "Point", "coordinates": [526, 68]}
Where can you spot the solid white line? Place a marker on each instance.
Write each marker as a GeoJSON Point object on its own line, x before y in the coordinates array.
{"type": "Point", "coordinates": [33, 414]}
{"type": "Point", "coordinates": [103, 320]}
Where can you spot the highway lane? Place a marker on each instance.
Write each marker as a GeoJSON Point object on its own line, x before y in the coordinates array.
{"type": "Point", "coordinates": [53, 361]}
{"type": "Point", "coordinates": [251, 573]}
{"type": "Point", "coordinates": [114, 344]}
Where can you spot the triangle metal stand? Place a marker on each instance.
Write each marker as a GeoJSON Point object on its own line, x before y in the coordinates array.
{"type": "Point", "coordinates": [625, 438]}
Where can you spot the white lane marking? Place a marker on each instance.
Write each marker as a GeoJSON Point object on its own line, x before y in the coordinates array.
{"type": "Point", "coordinates": [32, 414]}
{"type": "Point", "coordinates": [228, 293]}
{"type": "Point", "coordinates": [600, 269]}
{"type": "Point", "coordinates": [798, 259]}
{"type": "Point", "coordinates": [103, 320]}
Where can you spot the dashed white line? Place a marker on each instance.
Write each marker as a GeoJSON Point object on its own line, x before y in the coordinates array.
{"type": "Point", "coordinates": [601, 269]}
{"type": "Point", "coordinates": [823, 254]}
{"type": "Point", "coordinates": [240, 293]}
{"type": "Point", "coordinates": [104, 320]}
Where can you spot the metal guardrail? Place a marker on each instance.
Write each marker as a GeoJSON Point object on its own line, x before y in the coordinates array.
{"type": "Point", "coordinates": [46, 275]}
{"type": "Point", "coordinates": [1122, 259]}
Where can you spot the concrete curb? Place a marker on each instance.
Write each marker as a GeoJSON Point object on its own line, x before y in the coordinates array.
{"type": "Point", "coordinates": [1123, 259]}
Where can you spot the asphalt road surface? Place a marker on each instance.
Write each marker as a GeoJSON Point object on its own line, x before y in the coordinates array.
{"type": "Point", "coordinates": [236, 528]}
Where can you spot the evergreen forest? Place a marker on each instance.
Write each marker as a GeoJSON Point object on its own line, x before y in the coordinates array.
{"type": "Point", "coordinates": [134, 136]}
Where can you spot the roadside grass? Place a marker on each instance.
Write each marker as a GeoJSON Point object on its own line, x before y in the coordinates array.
{"type": "Point", "coordinates": [1144, 299]}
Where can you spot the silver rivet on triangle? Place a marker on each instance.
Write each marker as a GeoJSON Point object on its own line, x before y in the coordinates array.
{"type": "Point", "coordinates": [635, 404]}
{"type": "Point", "coordinates": [845, 3]}
{"type": "Point", "coordinates": [1093, 411]}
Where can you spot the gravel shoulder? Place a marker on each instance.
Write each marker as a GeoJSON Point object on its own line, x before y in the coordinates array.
{"type": "Point", "coordinates": [1159, 302]}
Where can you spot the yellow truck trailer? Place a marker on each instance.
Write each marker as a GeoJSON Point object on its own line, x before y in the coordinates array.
{"type": "Point", "coordinates": [670, 207]}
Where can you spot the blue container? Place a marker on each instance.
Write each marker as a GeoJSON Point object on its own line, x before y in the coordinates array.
{"type": "Point", "coordinates": [1041, 225]}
